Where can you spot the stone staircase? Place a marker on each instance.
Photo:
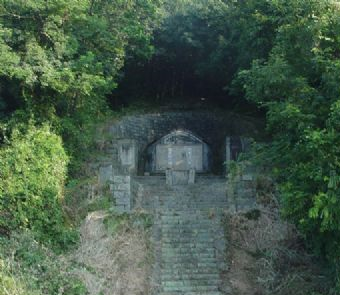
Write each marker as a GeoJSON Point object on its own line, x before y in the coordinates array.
{"type": "Point", "coordinates": [188, 234]}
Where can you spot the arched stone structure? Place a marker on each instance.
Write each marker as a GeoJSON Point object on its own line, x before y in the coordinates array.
{"type": "Point", "coordinates": [127, 145]}
{"type": "Point", "coordinates": [178, 150]}
{"type": "Point", "coordinates": [135, 133]}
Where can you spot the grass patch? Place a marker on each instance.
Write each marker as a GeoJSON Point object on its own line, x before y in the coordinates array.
{"type": "Point", "coordinates": [114, 222]}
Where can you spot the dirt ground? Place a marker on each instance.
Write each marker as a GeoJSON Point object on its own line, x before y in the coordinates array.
{"type": "Point", "coordinates": [267, 257]}
{"type": "Point", "coordinates": [265, 254]}
{"type": "Point", "coordinates": [113, 263]}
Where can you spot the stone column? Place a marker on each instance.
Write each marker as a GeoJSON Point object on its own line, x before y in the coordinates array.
{"type": "Point", "coordinates": [192, 176]}
{"type": "Point", "coordinates": [122, 193]}
{"type": "Point", "coordinates": [128, 156]}
{"type": "Point", "coordinates": [169, 177]}
{"type": "Point", "coordinates": [105, 175]}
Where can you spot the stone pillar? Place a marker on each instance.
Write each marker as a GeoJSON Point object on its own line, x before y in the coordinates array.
{"type": "Point", "coordinates": [128, 155]}
{"type": "Point", "coordinates": [105, 175]}
{"type": "Point", "coordinates": [192, 176]}
{"type": "Point", "coordinates": [122, 193]}
{"type": "Point", "coordinates": [168, 177]}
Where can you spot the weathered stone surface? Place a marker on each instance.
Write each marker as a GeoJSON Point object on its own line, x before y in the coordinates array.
{"type": "Point", "coordinates": [188, 234]}
{"type": "Point", "coordinates": [168, 176]}
{"type": "Point", "coordinates": [122, 186]}
{"type": "Point", "coordinates": [118, 179]}
{"type": "Point", "coordinates": [192, 175]}
{"type": "Point", "coordinates": [142, 130]}
{"type": "Point", "coordinates": [105, 174]}
{"type": "Point", "coordinates": [180, 177]}
{"type": "Point", "coordinates": [128, 155]}
{"type": "Point", "coordinates": [121, 189]}
{"type": "Point", "coordinates": [189, 238]}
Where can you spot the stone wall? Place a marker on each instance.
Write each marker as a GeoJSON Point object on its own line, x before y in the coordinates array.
{"type": "Point", "coordinates": [121, 190]}
{"type": "Point", "coordinates": [123, 145]}
{"type": "Point", "coordinates": [143, 130]}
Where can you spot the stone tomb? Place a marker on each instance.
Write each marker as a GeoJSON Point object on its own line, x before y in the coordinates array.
{"type": "Point", "coordinates": [178, 151]}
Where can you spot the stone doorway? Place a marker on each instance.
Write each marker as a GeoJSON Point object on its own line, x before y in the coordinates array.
{"type": "Point", "coordinates": [179, 157]}
{"type": "Point", "coordinates": [180, 150]}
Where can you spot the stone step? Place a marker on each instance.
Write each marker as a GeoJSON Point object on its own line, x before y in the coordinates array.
{"type": "Point", "coordinates": [188, 207]}
{"type": "Point", "coordinates": [190, 229]}
{"type": "Point", "coordinates": [195, 271]}
{"type": "Point", "coordinates": [197, 253]}
{"type": "Point", "coordinates": [190, 293]}
{"type": "Point", "coordinates": [189, 265]}
{"type": "Point", "coordinates": [188, 211]}
{"type": "Point", "coordinates": [188, 240]}
{"type": "Point", "coordinates": [190, 288]}
{"type": "Point", "coordinates": [206, 237]}
{"type": "Point", "coordinates": [188, 260]}
{"type": "Point", "coordinates": [189, 244]}
{"type": "Point", "coordinates": [186, 222]}
{"type": "Point", "coordinates": [206, 285]}
{"type": "Point", "coordinates": [172, 196]}
{"type": "Point", "coordinates": [184, 250]}
{"type": "Point", "coordinates": [190, 283]}
{"type": "Point", "coordinates": [179, 206]}
{"type": "Point", "coordinates": [189, 218]}
{"type": "Point", "coordinates": [202, 195]}
{"type": "Point", "coordinates": [189, 232]}
{"type": "Point", "coordinates": [194, 276]}
{"type": "Point", "coordinates": [187, 203]}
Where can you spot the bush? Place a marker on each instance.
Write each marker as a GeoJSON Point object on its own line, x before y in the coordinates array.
{"type": "Point", "coordinates": [32, 175]}
{"type": "Point", "coordinates": [29, 268]}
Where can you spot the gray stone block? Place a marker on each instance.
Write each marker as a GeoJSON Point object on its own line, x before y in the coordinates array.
{"type": "Point", "coordinates": [105, 174]}
{"type": "Point", "coordinates": [192, 175]}
{"type": "Point", "coordinates": [168, 176]}
{"type": "Point", "coordinates": [122, 186]}
{"type": "Point", "coordinates": [118, 179]}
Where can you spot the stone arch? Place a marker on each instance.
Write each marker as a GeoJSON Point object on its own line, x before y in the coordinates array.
{"type": "Point", "coordinates": [180, 149]}
{"type": "Point", "coordinates": [133, 134]}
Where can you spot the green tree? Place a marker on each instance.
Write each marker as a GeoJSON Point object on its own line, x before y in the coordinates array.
{"type": "Point", "coordinates": [298, 86]}
{"type": "Point", "coordinates": [190, 59]}
{"type": "Point", "coordinates": [60, 59]}
{"type": "Point", "coordinates": [32, 176]}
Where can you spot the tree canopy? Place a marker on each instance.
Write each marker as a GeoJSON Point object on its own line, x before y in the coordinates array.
{"type": "Point", "coordinates": [63, 64]}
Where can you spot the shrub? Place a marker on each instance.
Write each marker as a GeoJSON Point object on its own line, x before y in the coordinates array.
{"type": "Point", "coordinates": [29, 268]}
{"type": "Point", "coordinates": [33, 170]}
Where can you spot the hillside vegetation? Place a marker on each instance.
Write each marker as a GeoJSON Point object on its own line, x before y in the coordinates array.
{"type": "Point", "coordinates": [67, 65]}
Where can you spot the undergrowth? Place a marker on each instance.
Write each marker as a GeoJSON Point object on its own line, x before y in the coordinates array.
{"type": "Point", "coordinates": [29, 268]}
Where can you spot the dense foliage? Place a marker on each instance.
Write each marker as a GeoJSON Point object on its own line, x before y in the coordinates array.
{"type": "Point", "coordinates": [298, 85]}
{"type": "Point", "coordinates": [61, 62]}
{"type": "Point", "coordinates": [59, 59]}
{"type": "Point", "coordinates": [33, 171]}
{"type": "Point", "coordinates": [189, 59]}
